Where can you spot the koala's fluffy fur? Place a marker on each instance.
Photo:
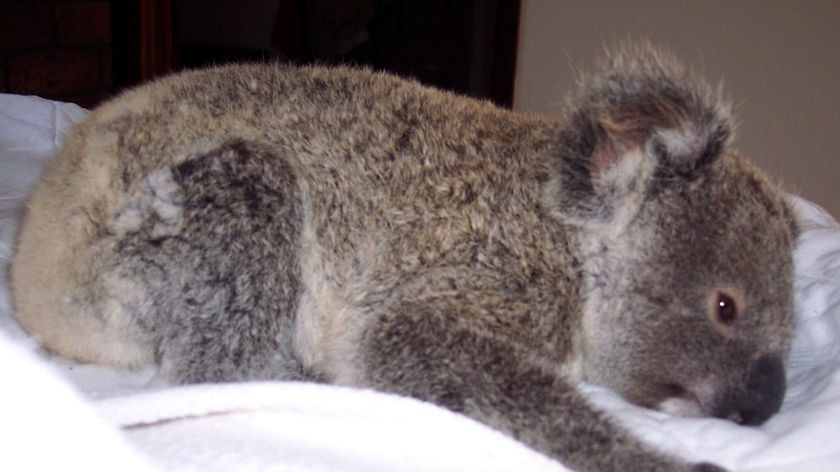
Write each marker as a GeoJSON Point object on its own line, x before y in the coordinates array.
{"type": "Point", "coordinates": [347, 226]}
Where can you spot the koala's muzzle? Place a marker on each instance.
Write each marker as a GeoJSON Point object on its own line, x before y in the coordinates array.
{"type": "Point", "coordinates": [761, 395]}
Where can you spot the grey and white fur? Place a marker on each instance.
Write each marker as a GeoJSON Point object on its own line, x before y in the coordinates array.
{"type": "Point", "coordinates": [346, 226]}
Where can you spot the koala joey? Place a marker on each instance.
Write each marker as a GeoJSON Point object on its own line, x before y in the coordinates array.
{"type": "Point", "coordinates": [346, 226]}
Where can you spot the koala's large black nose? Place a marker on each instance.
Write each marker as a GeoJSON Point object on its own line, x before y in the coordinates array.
{"type": "Point", "coordinates": [763, 393]}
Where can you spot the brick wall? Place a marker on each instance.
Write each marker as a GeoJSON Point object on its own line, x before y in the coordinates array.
{"type": "Point", "coordinates": [56, 49]}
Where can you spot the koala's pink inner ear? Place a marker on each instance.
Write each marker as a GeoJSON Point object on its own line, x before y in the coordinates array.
{"type": "Point", "coordinates": [615, 139]}
{"type": "Point", "coordinates": [604, 157]}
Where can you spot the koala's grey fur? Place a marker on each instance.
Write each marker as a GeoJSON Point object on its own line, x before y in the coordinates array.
{"type": "Point", "coordinates": [346, 226]}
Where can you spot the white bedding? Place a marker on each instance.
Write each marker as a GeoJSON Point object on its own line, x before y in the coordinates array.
{"type": "Point", "coordinates": [58, 415]}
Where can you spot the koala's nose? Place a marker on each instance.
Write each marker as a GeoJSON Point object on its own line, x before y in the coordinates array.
{"type": "Point", "coordinates": [762, 396]}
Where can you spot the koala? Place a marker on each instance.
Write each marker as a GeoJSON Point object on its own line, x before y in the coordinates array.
{"type": "Point", "coordinates": [341, 225]}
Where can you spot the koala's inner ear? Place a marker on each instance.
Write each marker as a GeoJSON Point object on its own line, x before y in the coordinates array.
{"type": "Point", "coordinates": [674, 127]}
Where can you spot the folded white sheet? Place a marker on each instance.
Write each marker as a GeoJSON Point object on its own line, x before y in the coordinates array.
{"type": "Point", "coordinates": [46, 425]}
{"type": "Point", "coordinates": [58, 415]}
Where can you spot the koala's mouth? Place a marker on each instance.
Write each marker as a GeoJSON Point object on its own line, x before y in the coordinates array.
{"type": "Point", "coordinates": [681, 401]}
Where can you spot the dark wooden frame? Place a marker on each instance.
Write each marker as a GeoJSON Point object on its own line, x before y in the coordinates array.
{"type": "Point", "coordinates": [141, 34]}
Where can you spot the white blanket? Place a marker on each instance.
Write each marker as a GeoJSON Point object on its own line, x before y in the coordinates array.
{"type": "Point", "coordinates": [58, 415]}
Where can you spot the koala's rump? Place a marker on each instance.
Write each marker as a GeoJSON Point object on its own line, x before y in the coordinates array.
{"type": "Point", "coordinates": [251, 216]}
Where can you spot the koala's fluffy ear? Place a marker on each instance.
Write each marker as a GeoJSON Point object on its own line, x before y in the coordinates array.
{"type": "Point", "coordinates": [641, 118]}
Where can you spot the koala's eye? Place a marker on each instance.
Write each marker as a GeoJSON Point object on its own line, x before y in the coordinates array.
{"type": "Point", "coordinates": [726, 309]}
{"type": "Point", "coordinates": [725, 306]}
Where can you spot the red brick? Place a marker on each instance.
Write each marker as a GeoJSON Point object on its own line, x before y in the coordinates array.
{"type": "Point", "coordinates": [83, 23]}
{"type": "Point", "coordinates": [24, 25]}
{"type": "Point", "coordinates": [55, 72]}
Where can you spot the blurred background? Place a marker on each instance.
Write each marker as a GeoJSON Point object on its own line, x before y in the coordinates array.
{"type": "Point", "coordinates": [778, 60]}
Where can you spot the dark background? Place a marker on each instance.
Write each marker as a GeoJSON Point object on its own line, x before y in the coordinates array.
{"type": "Point", "coordinates": [86, 50]}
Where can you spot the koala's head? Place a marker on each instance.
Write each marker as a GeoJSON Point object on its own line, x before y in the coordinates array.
{"type": "Point", "coordinates": [687, 249]}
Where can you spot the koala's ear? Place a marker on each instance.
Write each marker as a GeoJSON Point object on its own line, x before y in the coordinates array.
{"type": "Point", "coordinates": [640, 120]}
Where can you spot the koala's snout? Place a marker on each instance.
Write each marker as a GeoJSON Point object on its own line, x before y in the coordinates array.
{"type": "Point", "coordinates": [760, 397]}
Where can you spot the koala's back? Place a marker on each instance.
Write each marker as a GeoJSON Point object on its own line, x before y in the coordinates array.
{"type": "Point", "coordinates": [255, 215]}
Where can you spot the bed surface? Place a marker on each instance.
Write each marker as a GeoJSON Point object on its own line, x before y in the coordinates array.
{"type": "Point", "coordinates": [59, 415]}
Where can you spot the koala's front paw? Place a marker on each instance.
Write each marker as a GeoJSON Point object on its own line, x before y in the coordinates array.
{"type": "Point", "coordinates": [706, 467]}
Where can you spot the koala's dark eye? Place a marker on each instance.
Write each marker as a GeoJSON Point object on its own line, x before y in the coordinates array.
{"type": "Point", "coordinates": [726, 309]}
